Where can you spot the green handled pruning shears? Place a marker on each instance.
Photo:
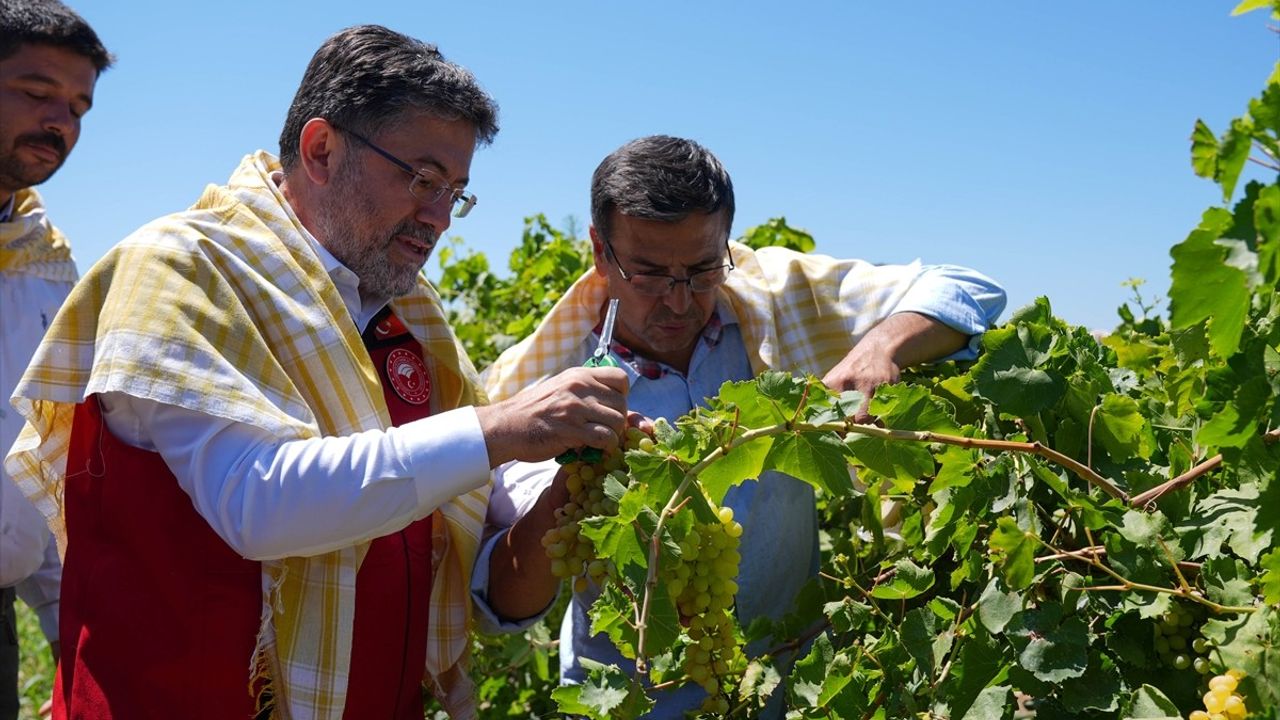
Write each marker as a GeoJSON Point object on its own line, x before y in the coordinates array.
{"type": "Point", "coordinates": [599, 358]}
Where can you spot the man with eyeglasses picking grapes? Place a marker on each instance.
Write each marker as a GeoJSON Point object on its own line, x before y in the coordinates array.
{"type": "Point", "coordinates": [697, 310]}
{"type": "Point", "coordinates": [259, 435]}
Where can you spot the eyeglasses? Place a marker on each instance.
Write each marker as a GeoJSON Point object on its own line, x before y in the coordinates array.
{"type": "Point", "coordinates": [426, 184]}
{"type": "Point", "coordinates": [658, 284]}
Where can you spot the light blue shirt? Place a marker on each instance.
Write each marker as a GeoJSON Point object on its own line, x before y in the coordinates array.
{"type": "Point", "coordinates": [779, 545]}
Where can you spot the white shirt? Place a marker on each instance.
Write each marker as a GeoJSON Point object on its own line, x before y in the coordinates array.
{"type": "Point", "coordinates": [268, 498]}
{"type": "Point", "coordinates": [28, 557]}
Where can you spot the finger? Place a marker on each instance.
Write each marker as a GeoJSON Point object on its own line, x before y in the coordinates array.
{"type": "Point", "coordinates": [640, 422]}
{"type": "Point", "coordinates": [611, 377]}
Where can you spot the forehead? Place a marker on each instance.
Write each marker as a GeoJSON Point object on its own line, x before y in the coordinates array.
{"type": "Point", "coordinates": [51, 65]}
{"type": "Point", "coordinates": [698, 238]}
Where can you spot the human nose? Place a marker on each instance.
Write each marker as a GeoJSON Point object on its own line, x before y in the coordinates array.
{"type": "Point", "coordinates": [436, 211]}
{"type": "Point", "coordinates": [679, 297]}
{"type": "Point", "coordinates": [59, 118]}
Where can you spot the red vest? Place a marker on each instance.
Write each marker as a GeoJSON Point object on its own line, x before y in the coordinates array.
{"type": "Point", "coordinates": [159, 617]}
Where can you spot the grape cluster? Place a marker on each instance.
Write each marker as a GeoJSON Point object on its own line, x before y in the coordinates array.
{"type": "Point", "coordinates": [1174, 641]}
{"type": "Point", "coordinates": [1222, 702]}
{"type": "Point", "coordinates": [702, 585]}
{"type": "Point", "coordinates": [572, 554]}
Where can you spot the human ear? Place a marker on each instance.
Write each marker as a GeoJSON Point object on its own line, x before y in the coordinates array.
{"type": "Point", "coordinates": [319, 150]}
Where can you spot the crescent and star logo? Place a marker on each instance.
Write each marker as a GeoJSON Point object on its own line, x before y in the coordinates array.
{"type": "Point", "coordinates": [408, 376]}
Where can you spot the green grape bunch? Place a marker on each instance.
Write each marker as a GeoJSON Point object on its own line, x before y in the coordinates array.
{"type": "Point", "coordinates": [1222, 702]}
{"type": "Point", "coordinates": [1178, 642]}
{"type": "Point", "coordinates": [702, 584]}
{"type": "Point", "coordinates": [573, 556]}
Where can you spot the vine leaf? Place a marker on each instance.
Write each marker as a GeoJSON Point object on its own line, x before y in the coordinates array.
{"type": "Point", "coordinates": [606, 689]}
{"type": "Point", "coordinates": [816, 458]}
{"type": "Point", "coordinates": [1017, 551]}
{"type": "Point", "coordinates": [1050, 648]}
{"type": "Point", "coordinates": [1270, 580]}
{"type": "Point", "coordinates": [1148, 703]}
{"type": "Point", "coordinates": [996, 607]}
{"type": "Point", "coordinates": [1122, 429]}
{"type": "Point", "coordinates": [926, 639]}
{"type": "Point", "coordinates": [744, 462]}
{"type": "Point", "coordinates": [1205, 288]}
{"type": "Point", "coordinates": [992, 702]}
{"type": "Point", "coordinates": [909, 580]}
{"type": "Point", "coordinates": [1251, 644]}
{"type": "Point", "coordinates": [1010, 373]}
{"type": "Point", "coordinates": [1229, 517]}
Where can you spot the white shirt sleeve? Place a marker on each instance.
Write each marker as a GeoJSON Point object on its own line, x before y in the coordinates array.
{"type": "Point", "coordinates": [23, 534]}
{"type": "Point", "coordinates": [269, 498]}
{"type": "Point", "coordinates": [516, 487]}
{"type": "Point", "coordinates": [965, 300]}
{"type": "Point", "coordinates": [40, 591]}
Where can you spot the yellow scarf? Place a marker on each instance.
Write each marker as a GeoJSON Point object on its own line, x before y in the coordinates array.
{"type": "Point", "coordinates": [224, 309]}
{"type": "Point", "coordinates": [31, 245]}
{"type": "Point", "coordinates": [798, 313]}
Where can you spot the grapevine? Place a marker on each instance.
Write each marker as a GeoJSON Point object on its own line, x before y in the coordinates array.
{"type": "Point", "coordinates": [1087, 525]}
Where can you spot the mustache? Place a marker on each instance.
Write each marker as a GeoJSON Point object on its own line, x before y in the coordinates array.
{"type": "Point", "coordinates": [417, 231]}
{"type": "Point", "coordinates": [51, 139]}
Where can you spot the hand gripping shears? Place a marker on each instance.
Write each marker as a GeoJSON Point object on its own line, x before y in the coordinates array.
{"type": "Point", "coordinates": [599, 358]}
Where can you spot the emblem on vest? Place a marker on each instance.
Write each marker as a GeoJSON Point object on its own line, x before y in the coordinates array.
{"type": "Point", "coordinates": [408, 376]}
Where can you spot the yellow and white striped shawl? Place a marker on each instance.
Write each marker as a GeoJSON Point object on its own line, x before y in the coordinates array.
{"type": "Point", "coordinates": [225, 309]}
{"type": "Point", "coordinates": [31, 245]}
{"type": "Point", "coordinates": [798, 313]}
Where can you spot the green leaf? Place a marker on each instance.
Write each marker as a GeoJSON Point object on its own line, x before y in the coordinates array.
{"type": "Point", "coordinates": [1237, 422]}
{"type": "Point", "coordinates": [605, 689]}
{"type": "Point", "coordinates": [1148, 703]}
{"type": "Point", "coordinates": [1229, 517]}
{"type": "Point", "coordinates": [816, 458]}
{"type": "Point", "coordinates": [1232, 155]}
{"type": "Point", "coordinates": [904, 462]}
{"type": "Point", "coordinates": [744, 462]}
{"type": "Point", "coordinates": [1226, 581]}
{"type": "Point", "coordinates": [776, 233]}
{"type": "Point", "coordinates": [996, 607]}
{"type": "Point", "coordinates": [1122, 429]}
{"type": "Point", "coordinates": [1016, 549]}
{"type": "Point", "coordinates": [926, 638]}
{"type": "Point", "coordinates": [754, 410]}
{"type": "Point", "coordinates": [991, 703]}
{"type": "Point", "coordinates": [1270, 579]}
{"type": "Point", "coordinates": [955, 468]}
{"type": "Point", "coordinates": [909, 580]}
{"type": "Point", "coordinates": [810, 674]}
{"type": "Point", "coordinates": [1204, 151]}
{"type": "Point", "coordinates": [1008, 376]}
{"type": "Point", "coordinates": [1096, 690]}
{"type": "Point", "coordinates": [1051, 649]}
{"type": "Point", "coordinates": [904, 407]}
{"type": "Point", "coordinates": [846, 615]}
{"type": "Point", "coordinates": [1205, 288]}
{"type": "Point", "coordinates": [1251, 644]}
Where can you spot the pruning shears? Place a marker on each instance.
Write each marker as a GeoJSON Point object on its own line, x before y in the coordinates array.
{"type": "Point", "coordinates": [600, 357]}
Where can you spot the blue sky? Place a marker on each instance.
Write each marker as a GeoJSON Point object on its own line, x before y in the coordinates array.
{"type": "Point", "coordinates": [1044, 144]}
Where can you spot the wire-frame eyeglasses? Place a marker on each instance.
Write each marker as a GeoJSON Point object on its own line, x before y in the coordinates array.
{"type": "Point", "coordinates": [658, 284]}
{"type": "Point", "coordinates": [426, 184]}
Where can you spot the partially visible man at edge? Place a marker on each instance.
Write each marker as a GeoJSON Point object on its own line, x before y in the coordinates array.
{"type": "Point", "coordinates": [50, 60]}
{"type": "Point", "coordinates": [281, 517]}
{"type": "Point", "coordinates": [697, 310]}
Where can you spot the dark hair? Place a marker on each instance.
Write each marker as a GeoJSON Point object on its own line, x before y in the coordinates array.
{"type": "Point", "coordinates": [49, 22]}
{"type": "Point", "coordinates": [659, 178]}
{"type": "Point", "coordinates": [363, 78]}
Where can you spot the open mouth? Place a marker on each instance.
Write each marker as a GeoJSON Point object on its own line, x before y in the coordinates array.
{"type": "Point", "coordinates": [415, 246]}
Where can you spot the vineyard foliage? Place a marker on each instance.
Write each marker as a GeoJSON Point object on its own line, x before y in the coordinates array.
{"type": "Point", "coordinates": [1085, 525]}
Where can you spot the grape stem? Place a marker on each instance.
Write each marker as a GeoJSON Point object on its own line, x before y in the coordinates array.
{"type": "Point", "coordinates": [1147, 500]}
{"type": "Point", "coordinates": [1126, 584]}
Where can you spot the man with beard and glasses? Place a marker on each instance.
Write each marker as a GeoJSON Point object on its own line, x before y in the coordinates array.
{"type": "Point", "coordinates": [696, 311]}
{"type": "Point", "coordinates": [50, 60]}
{"type": "Point", "coordinates": [263, 442]}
